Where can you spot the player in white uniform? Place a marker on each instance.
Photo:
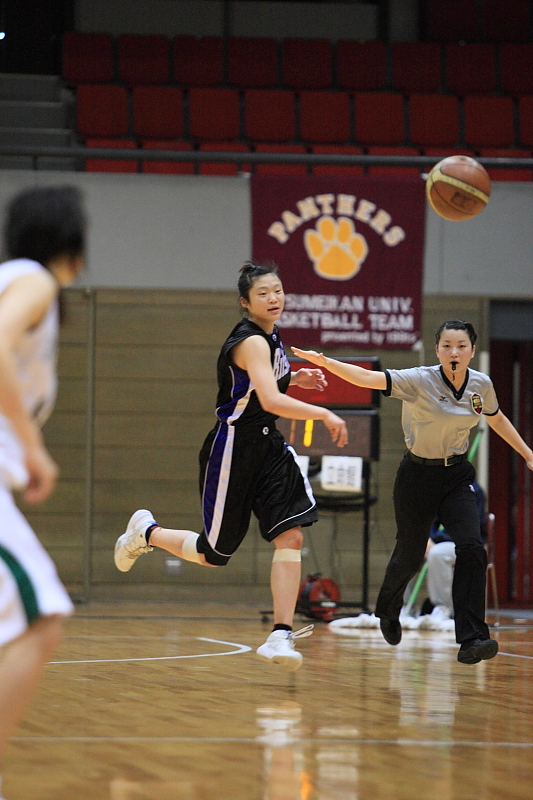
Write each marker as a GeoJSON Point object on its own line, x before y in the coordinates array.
{"type": "Point", "coordinates": [245, 464]}
{"type": "Point", "coordinates": [440, 406]}
{"type": "Point", "coordinates": [44, 239]}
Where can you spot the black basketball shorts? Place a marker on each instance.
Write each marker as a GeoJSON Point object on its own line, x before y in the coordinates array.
{"type": "Point", "coordinates": [245, 470]}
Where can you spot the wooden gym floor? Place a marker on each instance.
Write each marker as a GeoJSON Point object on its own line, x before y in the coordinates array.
{"type": "Point", "coordinates": [168, 702]}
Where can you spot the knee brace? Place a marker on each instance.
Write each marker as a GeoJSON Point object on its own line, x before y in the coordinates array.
{"type": "Point", "coordinates": [189, 551]}
{"type": "Point", "coordinates": [287, 554]}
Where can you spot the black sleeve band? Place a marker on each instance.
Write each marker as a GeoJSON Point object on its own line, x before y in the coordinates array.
{"type": "Point", "coordinates": [387, 392]}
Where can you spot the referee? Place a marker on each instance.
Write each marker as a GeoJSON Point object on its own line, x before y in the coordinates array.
{"type": "Point", "coordinates": [441, 404]}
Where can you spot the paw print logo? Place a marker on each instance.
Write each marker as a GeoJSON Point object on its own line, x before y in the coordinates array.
{"type": "Point", "coordinates": [335, 248]}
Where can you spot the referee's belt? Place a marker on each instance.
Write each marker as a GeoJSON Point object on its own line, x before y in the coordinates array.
{"type": "Point", "coordinates": [449, 461]}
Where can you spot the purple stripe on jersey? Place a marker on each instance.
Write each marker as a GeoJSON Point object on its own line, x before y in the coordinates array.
{"type": "Point", "coordinates": [240, 394]}
{"type": "Point", "coordinates": [216, 482]}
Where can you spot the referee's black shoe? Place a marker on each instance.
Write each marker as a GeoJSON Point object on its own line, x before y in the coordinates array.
{"type": "Point", "coordinates": [473, 652]}
{"type": "Point", "coordinates": [391, 630]}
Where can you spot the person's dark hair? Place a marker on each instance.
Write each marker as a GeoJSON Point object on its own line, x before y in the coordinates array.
{"type": "Point", "coordinates": [456, 325]}
{"type": "Point", "coordinates": [249, 274]}
{"type": "Point", "coordinates": [44, 223]}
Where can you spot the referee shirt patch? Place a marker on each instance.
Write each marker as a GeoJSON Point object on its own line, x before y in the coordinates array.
{"type": "Point", "coordinates": [477, 403]}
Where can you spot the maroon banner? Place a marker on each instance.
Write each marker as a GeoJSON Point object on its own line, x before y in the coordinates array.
{"type": "Point", "coordinates": [350, 252]}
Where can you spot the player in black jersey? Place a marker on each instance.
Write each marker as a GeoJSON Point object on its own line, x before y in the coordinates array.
{"type": "Point", "coordinates": [245, 464]}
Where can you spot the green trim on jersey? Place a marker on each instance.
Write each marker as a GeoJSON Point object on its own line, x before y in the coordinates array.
{"type": "Point", "coordinates": [25, 586]}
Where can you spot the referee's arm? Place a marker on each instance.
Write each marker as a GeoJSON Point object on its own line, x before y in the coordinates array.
{"type": "Point", "coordinates": [505, 428]}
{"type": "Point", "coordinates": [359, 376]}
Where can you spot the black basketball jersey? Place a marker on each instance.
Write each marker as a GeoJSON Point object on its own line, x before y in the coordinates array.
{"type": "Point", "coordinates": [237, 402]}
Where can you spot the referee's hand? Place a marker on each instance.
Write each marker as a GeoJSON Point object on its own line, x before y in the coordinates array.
{"type": "Point", "coordinates": [337, 428]}
{"type": "Point", "coordinates": [310, 355]}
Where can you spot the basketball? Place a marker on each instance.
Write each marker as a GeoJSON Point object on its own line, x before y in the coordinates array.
{"type": "Point", "coordinates": [458, 188]}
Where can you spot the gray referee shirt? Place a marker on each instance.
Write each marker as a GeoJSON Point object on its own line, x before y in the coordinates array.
{"type": "Point", "coordinates": [436, 415]}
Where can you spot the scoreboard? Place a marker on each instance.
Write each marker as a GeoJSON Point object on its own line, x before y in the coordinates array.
{"type": "Point", "coordinates": [311, 437]}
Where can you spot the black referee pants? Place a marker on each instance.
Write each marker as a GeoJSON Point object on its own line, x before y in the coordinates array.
{"type": "Point", "coordinates": [422, 493]}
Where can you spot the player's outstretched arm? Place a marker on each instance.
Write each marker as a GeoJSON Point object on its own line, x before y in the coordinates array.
{"type": "Point", "coordinates": [348, 372]}
{"type": "Point", "coordinates": [501, 425]}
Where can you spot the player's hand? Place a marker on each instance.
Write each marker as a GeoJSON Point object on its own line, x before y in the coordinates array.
{"type": "Point", "coordinates": [310, 355]}
{"type": "Point", "coordinates": [311, 379]}
{"type": "Point", "coordinates": [43, 472]}
{"type": "Point", "coordinates": [529, 463]}
{"type": "Point", "coordinates": [337, 428]}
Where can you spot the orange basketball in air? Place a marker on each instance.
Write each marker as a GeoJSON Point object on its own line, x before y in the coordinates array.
{"type": "Point", "coordinates": [458, 188]}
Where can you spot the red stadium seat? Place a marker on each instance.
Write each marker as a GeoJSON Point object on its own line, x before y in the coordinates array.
{"type": "Point", "coordinates": [337, 169]}
{"type": "Point", "coordinates": [361, 65]}
{"type": "Point", "coordinates": [379, 118]}
{"type": "Point", "coordinates": [168, 167]}
{"type": "Point", "coordinates": [87, 57]}
{"type": "Point", "coordinates": [306, 63]}
{"type": "Point", "coordinates": [505, 21]}
{"type": "Point", "coordinates": [509, 174]}
{"type": "Point", "coordinates": [224, 167]}
{"type": "Point", "coordinates": [416, 66]}
{"type": "Point", "coordinates": [280, 169]}
{"type": "Point", "coordinates": [157, 112]}
{"type": "Point", "coordinates": [198, 62]}
{"type": "Point", "coordinates": [101, 110]}
{"type": "Point", "coordinates": [525, 121]}
{"type": "Point", "coordinates": [324, 116]}
{"type": "Point", "coordinates": [393, 151]}
{"type": "Point", "coordinates": [489, 121]}
{"type": "Point", "coordinates": [470, 68]}
{"type": "Point", "coordinates": [433, 119]}
{"type": "Point", "coordinates": [252, 63]}
{"type": "Point", "coordinates": [451, 20]}
{"type": "Point", "coordinates": [111, 165]}
{"type": "Point", "coordinates": [516, 68]}
{"type": "Point", "coordinates": [143, 59]}
{"type": "Point", "coordinates": [269, 115]}
{"type": "Point", "coordinates": [214, 114]}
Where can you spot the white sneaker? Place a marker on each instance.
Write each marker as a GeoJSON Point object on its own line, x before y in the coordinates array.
{"type": "Point", "coordinates": [441, 614]}
{"type": "Point", "coordinates": [132, 544]}
{"type": "Point", "coordinates": [279, 648]}
{"type": "Point", "coordinates": [439, 620]}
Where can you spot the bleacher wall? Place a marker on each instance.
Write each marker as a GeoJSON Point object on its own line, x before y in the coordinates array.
{"type": "Point", "coordinates": [192, 232]}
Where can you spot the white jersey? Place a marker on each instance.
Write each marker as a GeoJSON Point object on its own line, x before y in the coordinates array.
{"type": "Point", "coordinates": [35, 360]}
{"type": "Point", "coordinates": [436, 415]}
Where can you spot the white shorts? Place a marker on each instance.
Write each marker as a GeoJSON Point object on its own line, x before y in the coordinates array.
{"type": "Point", "coordinates": [29, 585]}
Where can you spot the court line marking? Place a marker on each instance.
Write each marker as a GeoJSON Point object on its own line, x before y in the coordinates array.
{"type": "Point", "coordinates": [514, 655]}
{"type": "Point", "coordinates": [241, 648]}
{"type": "Point", "coordinates": [259, 740]}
